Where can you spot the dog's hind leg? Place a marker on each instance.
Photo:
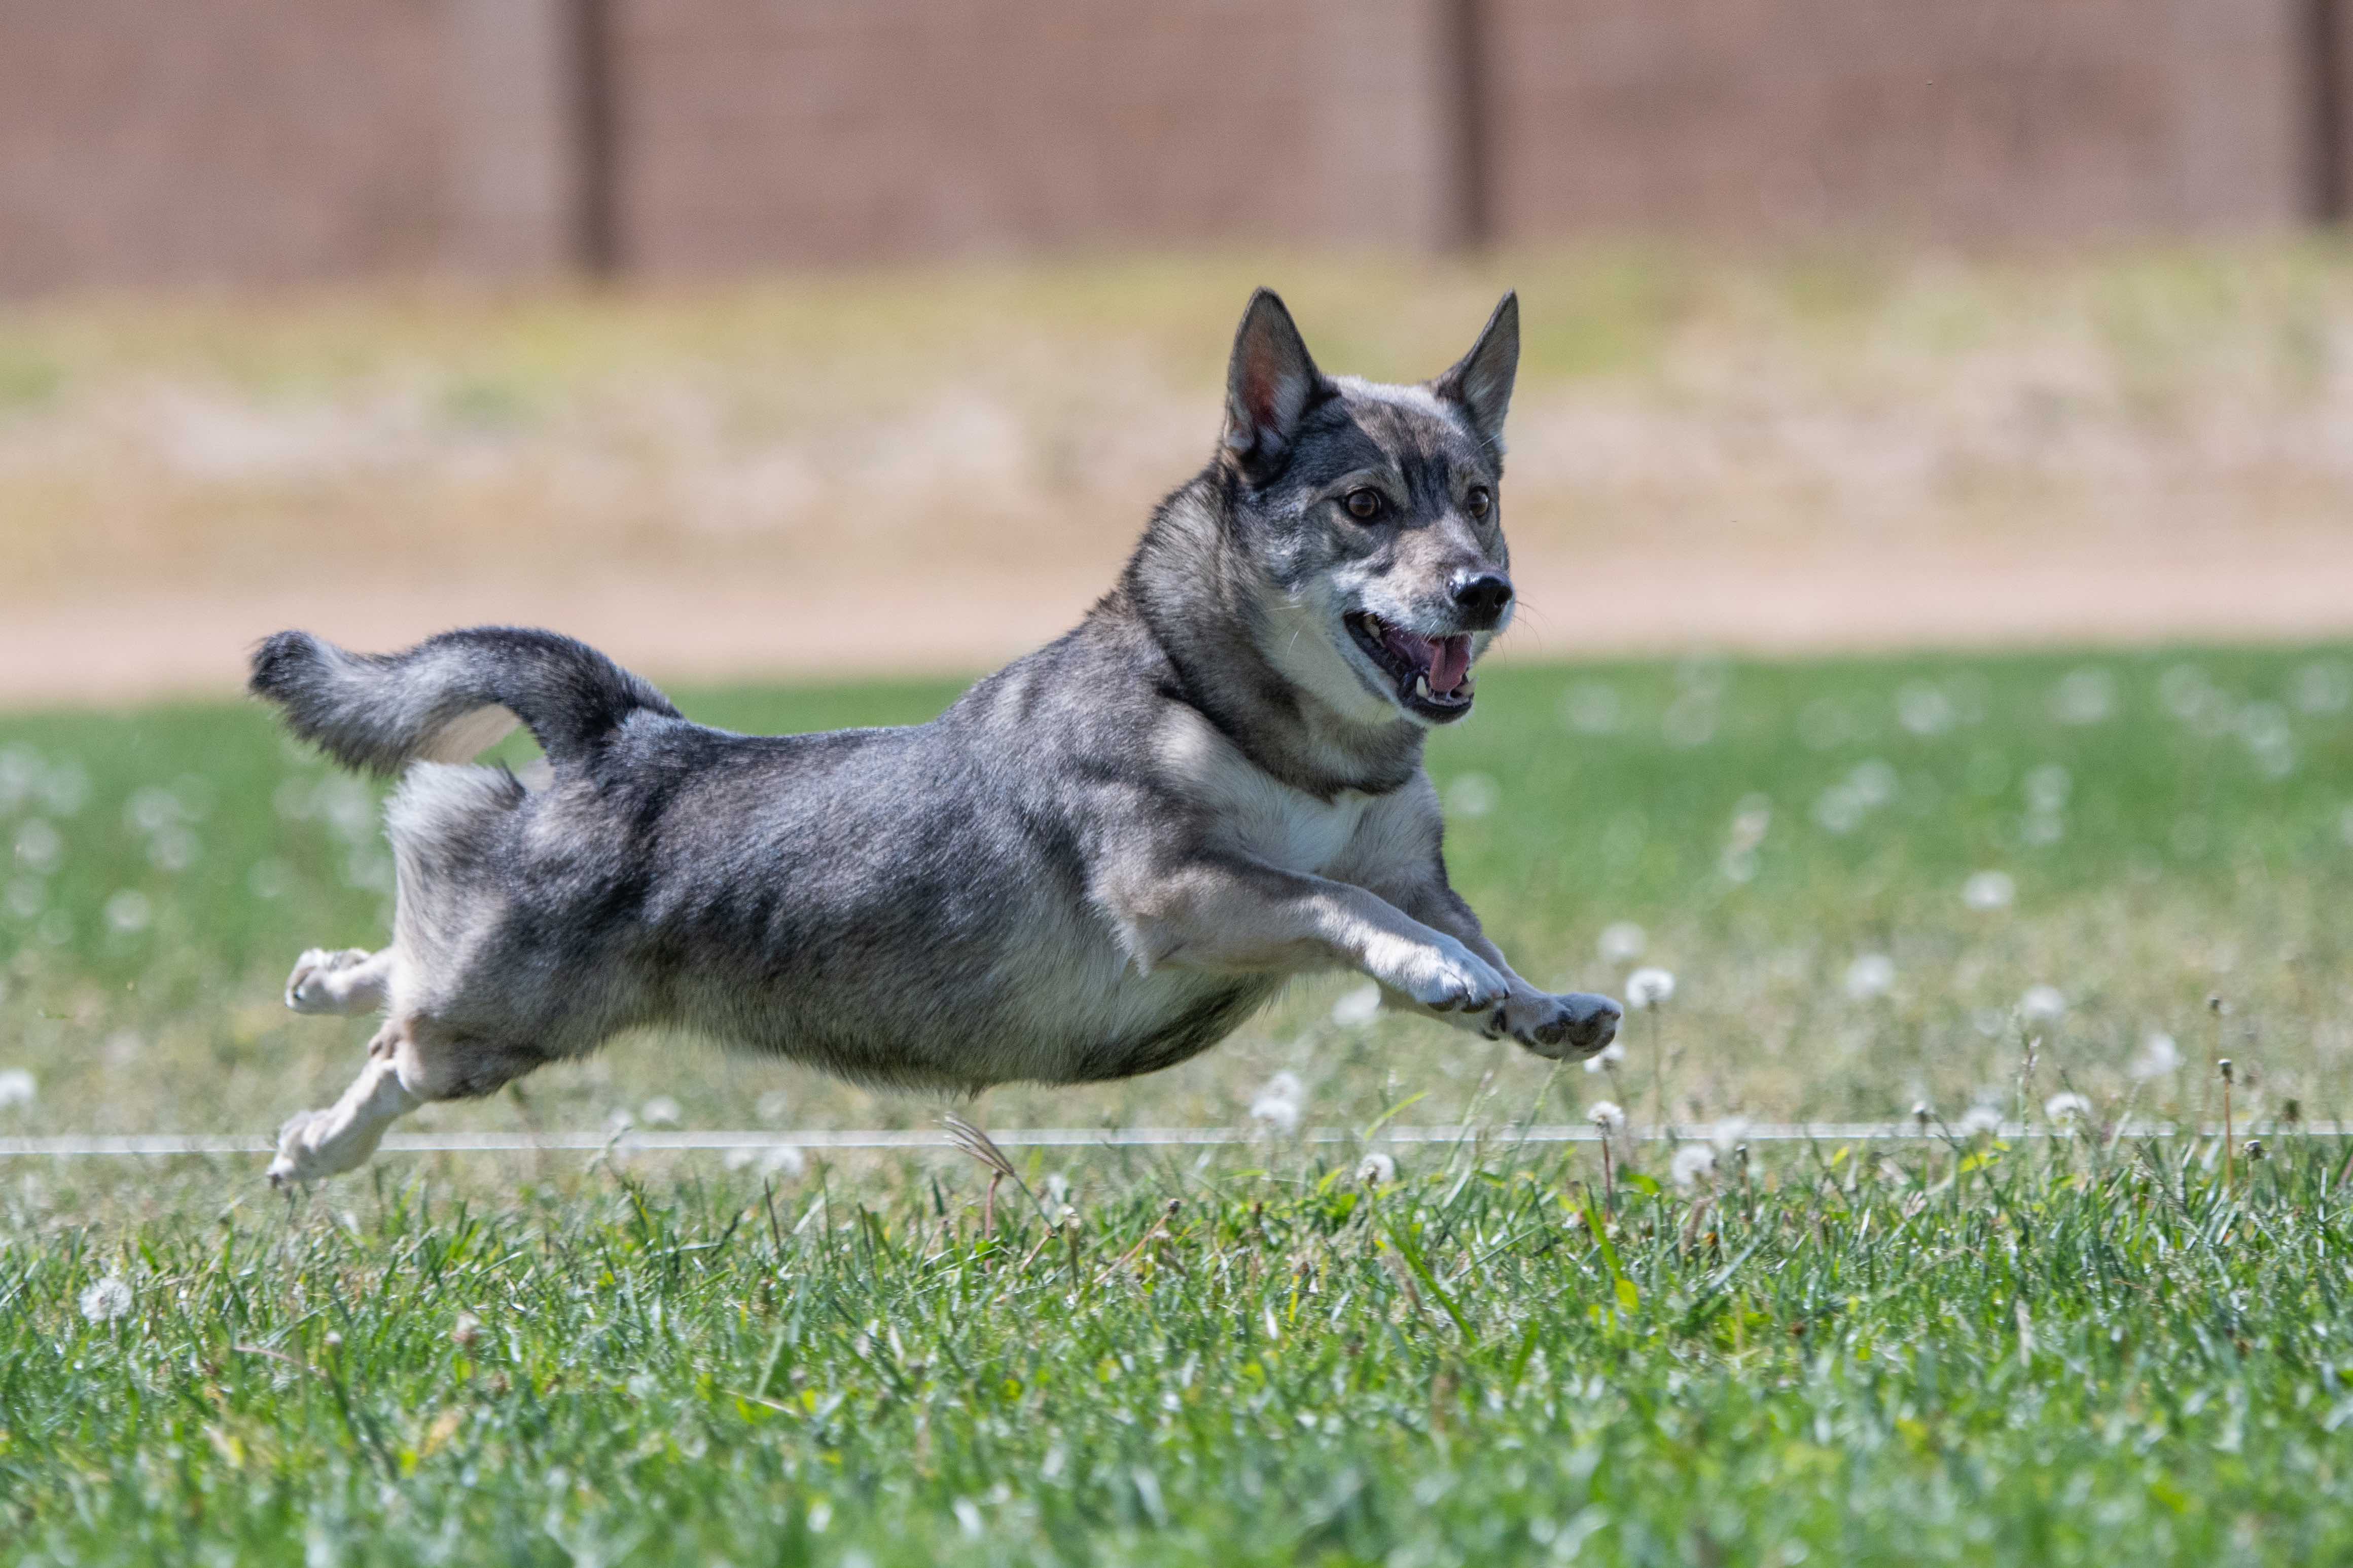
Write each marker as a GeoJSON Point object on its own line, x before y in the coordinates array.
{"type": "Point", "coordinates": [348, 981]}
{"type": "Point", "coordinates": [316, 1143]}
{"type": "Point", "coordinates": [412, 1059]}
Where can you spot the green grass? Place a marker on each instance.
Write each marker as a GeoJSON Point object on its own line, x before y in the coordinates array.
{"type": "Point", "coordinates": [2094, 1358]}
{"type": "Point", "coordinates": [1951, 1352]}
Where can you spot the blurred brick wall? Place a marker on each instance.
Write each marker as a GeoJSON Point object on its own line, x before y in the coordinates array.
{"type": "Point", "coordinates": [217, 141]}
{"type": "Point", "coordinates": [250, 142]}
{"type": "Point", "coordinates": [1997, 118]}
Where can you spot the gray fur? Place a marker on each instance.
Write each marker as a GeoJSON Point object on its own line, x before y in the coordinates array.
{"type": "Point", "coordinates": [1096, 863]}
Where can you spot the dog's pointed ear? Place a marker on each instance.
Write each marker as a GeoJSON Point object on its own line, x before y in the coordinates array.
{"type": "Point", "coordinates": [1480, 381]}
{"type": "Point", "coordinates": [1272, 382]}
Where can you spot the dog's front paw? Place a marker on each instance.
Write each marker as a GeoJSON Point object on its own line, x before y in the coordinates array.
{"type": "Point", "coordinates": [311, 987]}
{"type": "Point", "coordinates": [1556, 1027]}
{"type": "Point", "coordinates": [1448, 977]}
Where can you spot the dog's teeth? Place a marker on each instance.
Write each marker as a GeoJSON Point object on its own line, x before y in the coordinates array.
{"type": "Point", "coordinates": [1421, 687]}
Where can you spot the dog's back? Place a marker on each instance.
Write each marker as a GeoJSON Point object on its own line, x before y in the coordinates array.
{"type": "Point", "coordinates": [897, 905]}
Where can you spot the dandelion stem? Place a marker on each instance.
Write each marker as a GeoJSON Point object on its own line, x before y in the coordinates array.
{"type": "Point", "coordinates": [2227, 1172]}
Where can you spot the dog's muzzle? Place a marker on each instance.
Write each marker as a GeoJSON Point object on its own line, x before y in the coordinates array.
{"type": "Point", "coordinates": [1431, 674]}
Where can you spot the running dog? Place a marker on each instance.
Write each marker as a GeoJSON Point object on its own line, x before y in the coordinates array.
{"type": "Point", "coordinates": [1098, 862]}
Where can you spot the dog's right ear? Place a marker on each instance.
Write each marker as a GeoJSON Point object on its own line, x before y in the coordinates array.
{"type": "Point", "coordinates": [1271, 384]}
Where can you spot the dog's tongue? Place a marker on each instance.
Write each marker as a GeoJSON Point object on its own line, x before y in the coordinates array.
{"type": "Point", "coordinates": [1449, 662]}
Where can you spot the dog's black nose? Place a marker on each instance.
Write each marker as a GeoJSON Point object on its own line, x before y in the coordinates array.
{"type": "Point", "coordinates": [1482, 594]}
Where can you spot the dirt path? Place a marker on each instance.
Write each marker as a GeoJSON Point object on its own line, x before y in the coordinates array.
{"type": "Point", "coordinates": [130, 647]}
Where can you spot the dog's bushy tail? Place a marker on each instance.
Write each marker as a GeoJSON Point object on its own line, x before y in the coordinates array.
{"type": "Point", "coordinates": [440, 701]}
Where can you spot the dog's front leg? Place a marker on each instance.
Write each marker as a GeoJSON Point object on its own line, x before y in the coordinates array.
{"type": "Point", "coordinates": [1572, 1024]}
{"type": "Point", "coordinates": [1230, 913]}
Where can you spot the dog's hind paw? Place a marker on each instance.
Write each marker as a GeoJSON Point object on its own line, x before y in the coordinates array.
{"type": "Point", "coordinates": [321, 981]}
{"type": "Point", "coordinates": [316, 1145]}
{"type": "Point", "coordinates": [1556, 1027]}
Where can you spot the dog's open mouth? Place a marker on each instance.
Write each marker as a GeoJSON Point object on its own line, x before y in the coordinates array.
{"type": "Point", "coordinates": [1432, 674]}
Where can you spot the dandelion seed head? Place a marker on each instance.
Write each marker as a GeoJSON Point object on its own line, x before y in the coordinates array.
{"type": "Point", "coordinates": [1648, 987]}
{"type": "Point", "coordinates": [1988, 891]}
{"type": "Point", "coordinates": [1729, 1133]}
{"type": "Point", "coordinates": [784, 1160]}
{"type": "Point", "coordinates": [1358, 1007]}
{"type": "Point", "coordinates": [1621, 943]}
{"type": "Point", "coordinates": [1873, 974]}
{"type": "Point", "coordinates": [1472, 795]}
{"type": "Point", "coordinates": [1605, 1114]}
{"type": "Point", "coordinates": [107, 1301]}
{"type": "Point", "coordinates": [1979, 1118]}
{"type": "Point", "coordinates": [18, 1087]}
{"type": "Point", "coordinates": [1277, 1103]}
{"type": "Point", "coordinates": [662, 1111]}
{"type": "Point", "coordinates": [1691, 1165]}
{"type": "Point", "coordinates": [465, 1330]}
{"type": "Point", "coordinates": [1377, 1170]}
{"type": "Point", "coordinates": [2157, 1056]}
{"type": "Point", "coordinates": [2085, 696]}
{"type": "Point", "coordinates": [2067, 1107]}
{"type": "Point", "coordinates": [1608, 1057]}
{"type": "Point", "coordinates": [2042, 1003]}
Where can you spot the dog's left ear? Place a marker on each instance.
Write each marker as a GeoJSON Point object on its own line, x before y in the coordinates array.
{"type": "Point", "coordinates": [1270, 383]}
{"type": "Point", "coordinates": [1480, 381]}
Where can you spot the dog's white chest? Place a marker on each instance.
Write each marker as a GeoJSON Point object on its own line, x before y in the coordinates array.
{"type": "Point", "coordinates": [1296, 831]}
{"type": "Point", "coordinates": [1255, 811]}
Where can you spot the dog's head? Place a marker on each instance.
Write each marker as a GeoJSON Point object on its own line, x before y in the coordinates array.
{"type": "Point", "coordinates": [1374, 515]}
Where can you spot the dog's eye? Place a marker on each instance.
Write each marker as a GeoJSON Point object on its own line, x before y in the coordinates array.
{"type": "Point", "coordinates": [1480, 501]}
{"type": "Point", "coordinates": [1365, 505]}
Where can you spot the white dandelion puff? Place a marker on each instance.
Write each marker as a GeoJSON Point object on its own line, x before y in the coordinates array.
{"type": "Point", "coordinates": [1729, 1133]}
{"type": "Point", "coordinates": [2047, 787]}
{"type": "Point", "coordinates": [2042, 1003]}
{"type": "Point", "coordinates": [662, 1111]}
{"type": "Point", "coordinates": [2157, 1056]}
{"type": "Point", "coordinates": [107, 1301]}
{"type": "Point", "coordinates": [1608, 1057]}
{"type": "Point", "coordinates": [1621, 943]}
{"type": "Point", "coordinates": [1605, 1114]}
{"type": "Point", "coordinates": [1988, 891]}
{"type": "Point", "coordinates": [1277, 1104]}
{"type": "Point", "coordinates": [1472, 795]}
{"type": "Point", "coordinates": [2067, 1107]}
{"type": "Point", "coordinates": [2323, 687]}
{"type": "Point", "coordinates": [784, 1160]}
{"type": "Point", "coordinates": [1377, 1170]}
{"type": "Point", "coordinates": [1873, 974]}
{"type": "Point", "coordinates": [1980, 1119]}
{"type": "Point", "coordinates": [39, 846]}
{"type": "Point", "coordinates": [1359, 1007]}
{"type": "Point", "coordinates": [1591, 708]}
{"type": "Point", "coordinates": [18, 1087]}
{"type": "Point", "coordinates": [1692, 1163]}
{"type": "Point", "coordinates": [2085, 696]}
{"type": "Point", "coordinates": [1649, 988]}
{"type": "Point", "coordinates": [1925, 709]}
{"type": "Point", "coordinates": [773, 1107]}
{"type": "Point", "coordinates": [128, 911]}
{"type": "Point", "coordinates": [1873, 783]}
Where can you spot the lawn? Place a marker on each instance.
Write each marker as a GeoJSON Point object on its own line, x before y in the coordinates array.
{"type": "Point", "coordinates": [1967, 883]}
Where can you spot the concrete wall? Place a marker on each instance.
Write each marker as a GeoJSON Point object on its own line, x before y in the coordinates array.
{"type": "Point", "coordinates": [257, 142]}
